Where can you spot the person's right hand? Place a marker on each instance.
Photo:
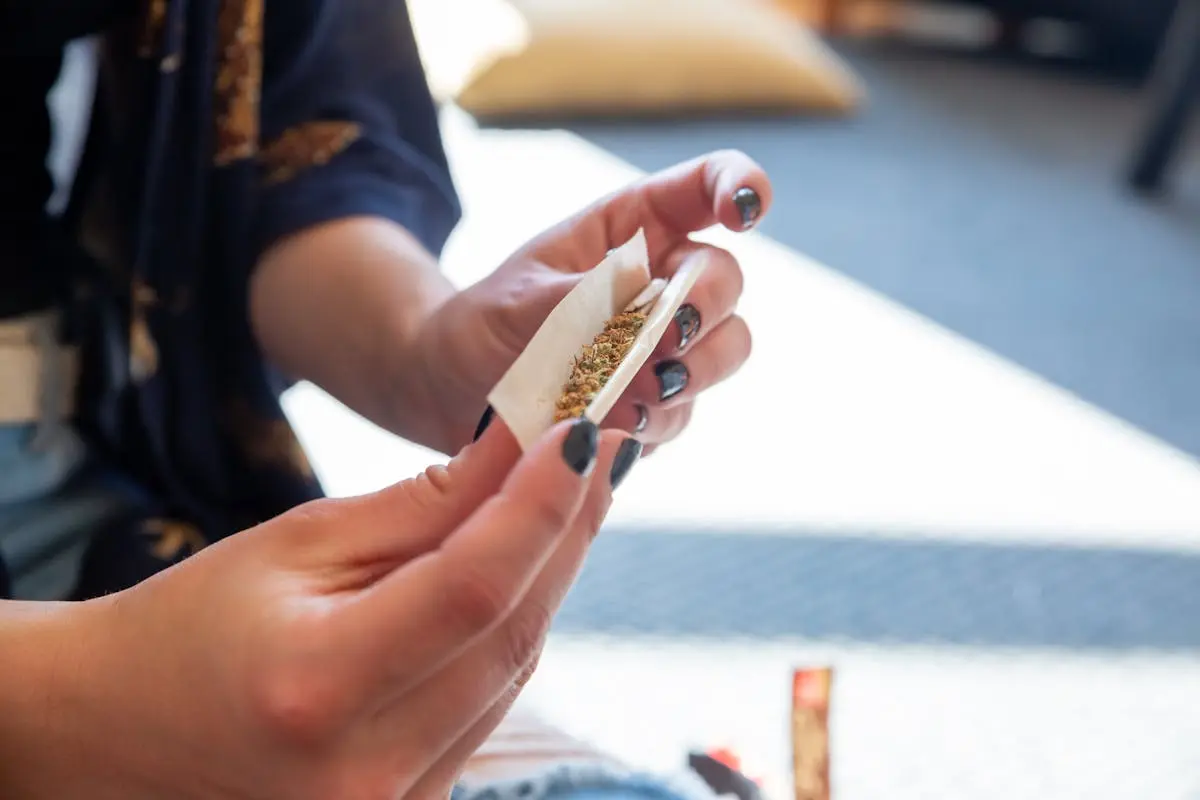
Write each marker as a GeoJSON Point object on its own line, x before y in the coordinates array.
{"type": "Point", "coordinates": [358, 648]}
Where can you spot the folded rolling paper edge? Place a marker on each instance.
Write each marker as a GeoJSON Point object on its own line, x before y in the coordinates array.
{"type": "Point", "coordinates": [657, 320]}
{"type": "Point", "coordinates": [527, 395]}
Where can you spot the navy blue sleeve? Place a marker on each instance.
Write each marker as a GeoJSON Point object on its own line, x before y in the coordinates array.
{"type": "Point", "coordinates": [348, 124]}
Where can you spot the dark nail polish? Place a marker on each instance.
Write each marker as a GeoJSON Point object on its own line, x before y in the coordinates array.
{"type": "Point", "coordinates": [672, 378]}
{"type": "Point", "coordinates": [749, 205]}
{"type": "Point", "coordinates": [484, 421]}
{"type": "Point", "coordinates": [688, 320]}
{"type": "Point", "coordinates": [579, 448]}
{"type": "Point", "coordinates": [627, 455]}
{"type": "Point", "coordinates": [643, 418]}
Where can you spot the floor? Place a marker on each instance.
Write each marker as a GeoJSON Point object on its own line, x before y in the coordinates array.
{"type": "Point", "coordinates": [961, 466]}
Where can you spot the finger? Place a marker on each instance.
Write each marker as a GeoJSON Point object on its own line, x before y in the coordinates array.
{"type": "Point", "coordinates": [721, 188]}
{"type": "Point", "coordinates": [674, 381]}
{"type": "Point", "coordinates": [710, 302]}
{"type": "Point", "coordinates": [651, 426]}
{"type": "Point", "coordinates": [724, 187]}
{"type": "Point", "coordinates": [428, 611]}
{"type": "Point", "coordinates": [446, 771]}
{"type": "Point", "coordinates": [506, 743]}
{"type": "Point", "coordinates": [377, 531]}
{"type": "Point", "coordinates": [700, 193]}
{"type": "Point", "coordinates": [456, 704]}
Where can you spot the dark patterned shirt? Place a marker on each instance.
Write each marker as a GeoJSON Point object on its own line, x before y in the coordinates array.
{"type": "Point", "coordinates": [219, 127]}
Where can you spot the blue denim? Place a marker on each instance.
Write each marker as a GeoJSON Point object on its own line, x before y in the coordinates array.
{"type": "Point", "coordinates": [52, 498]}
{"type": "Point", "coordinates": [589, 782]}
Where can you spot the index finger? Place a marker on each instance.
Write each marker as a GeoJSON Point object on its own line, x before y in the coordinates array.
{"type": "Point", "coordinates": [721, 188]}
{"type": "Point", "coordinates": [428, 611]}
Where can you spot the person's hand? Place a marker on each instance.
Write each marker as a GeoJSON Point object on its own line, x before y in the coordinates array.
{"type": "Point", "coordinates": [471, 341]}
{"type": "Point", "coordinates": [358, 648]}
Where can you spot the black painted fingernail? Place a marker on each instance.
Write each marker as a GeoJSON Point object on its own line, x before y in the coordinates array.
{"type": "Point", "coordinates": [579, 448]}
{"type": "Point", "coordinates": [749, 205]}
{"type": "Point", "coordinates": [627, 455]}
{"type": "Point", "coordinates": [484, 421]}
{"type": "Point", "coordinates": [688, 320]}
{"type": "Point", "coordinates": [643, 418]}
{"type": "Point", "coordinates": [672, 378]}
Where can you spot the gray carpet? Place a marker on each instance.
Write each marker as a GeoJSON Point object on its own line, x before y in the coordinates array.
{"type": "Point", "coordinates": [751, 584]}
{"type": "Point", "coordinates": [987, 197]}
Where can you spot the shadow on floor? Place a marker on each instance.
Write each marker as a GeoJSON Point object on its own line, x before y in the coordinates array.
{"type": "Point", "coordinates": [766, 584]}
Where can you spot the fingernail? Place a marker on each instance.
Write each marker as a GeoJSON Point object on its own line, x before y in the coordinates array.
{"type": "Point", "coordinates": [643, 418]}
{"type": "Point", "coordinates": [484, 421]}
{"type": "Point", "coordinates": [688, 320]}
{"type": "Point", "coordinates": [627, 455]}
{"type": "Point", "coordinates": [672, 378]}
{"type": "Point", "coordinates": [579, 448]}
{"type": "Point", "coordinates": [749, 205]}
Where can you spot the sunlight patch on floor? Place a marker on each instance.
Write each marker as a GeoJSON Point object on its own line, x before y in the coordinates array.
{"type": "Point", "coordinates": [854, 414]}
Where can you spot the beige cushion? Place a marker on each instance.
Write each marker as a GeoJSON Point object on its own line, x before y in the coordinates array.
{"type": "Point", "coordinates": [519, 57]}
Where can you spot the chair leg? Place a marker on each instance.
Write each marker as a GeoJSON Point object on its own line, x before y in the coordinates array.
{"type": "Point", "coordinates": [1175, 87]}
{"type": "Point", "coordinates": [1010, 31]}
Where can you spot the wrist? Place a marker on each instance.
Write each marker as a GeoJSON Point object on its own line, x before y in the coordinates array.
{"type": "Point", "coordinates": [46, 663]}
{"type": "Point", "coordinates": [65, 712]}
{"type": "Point", "coordinates": [444, 392]}
{"type": "Point", "coordinates": [342, 305]}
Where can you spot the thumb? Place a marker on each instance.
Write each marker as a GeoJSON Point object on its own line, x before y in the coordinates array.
{"type": "Point", "coordinates": [413, 517]}
{"type": "Point", "coordinates": [425, 613]}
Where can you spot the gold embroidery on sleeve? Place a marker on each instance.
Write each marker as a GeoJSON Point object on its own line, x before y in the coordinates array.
{"type": "Point", "coordinates": [173, 537]}
{"type": "Point", "coordinates": [154, 18]}
{"type": "Point", "coordinates": [239, 79]}
{"type": "Point", "coordinates": [311, 144]}
{"type": "Point", "coordinates": [152, 34]}
{"type": "Point", "coordinates": [143, 352]}
{"type": "Point", "coordinates": [268, 442]}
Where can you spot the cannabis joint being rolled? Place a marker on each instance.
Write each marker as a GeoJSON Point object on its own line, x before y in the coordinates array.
{"type": "Point", "coordinates": [592, 344]}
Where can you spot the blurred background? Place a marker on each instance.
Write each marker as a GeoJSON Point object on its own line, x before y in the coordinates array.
{"type": "Point", "coordinates": [961, 466]}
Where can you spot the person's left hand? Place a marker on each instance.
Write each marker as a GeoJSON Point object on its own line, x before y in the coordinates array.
{"type": "Point", "coordinates": [473, 339]}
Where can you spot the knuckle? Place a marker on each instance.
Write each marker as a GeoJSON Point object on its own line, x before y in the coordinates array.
{"type": "Point", "coordinates": [297, 705]}
{"type": "Point", "coordinates": [429, 489]}
{"type": "Point", "coordinates": [729, 352]}
{"type": "Point", "coordinates": [437, 480]}
{"type": "Point", "coordinates": [735, 277]}
{"type": "Point", "coordinates": [477, 600]}
{"type": "Point", "coordinates": [547, 512]}
{"type": "Point", "coordinates": [315, 514]}
{"type": "Point", "coordinates": [725, 282]}
{"type": "Point", "coordinates": [747, 342]}
{"type": "Point", "coordinates": [726, 154]}
{"type": "Point", "coordinates": [527, 672]}
{"type": "Point", "coordinates": [550, 514]}
{"type": "Point", "coordinates": [680, 416]}
{"type": "Point", "coordinates": [525, 636]}
{"type": "Point", "coordinates": [593, 516]}
{"type": "Point", "coordinates": [511, 315]}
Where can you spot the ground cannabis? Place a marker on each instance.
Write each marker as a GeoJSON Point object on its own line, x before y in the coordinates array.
{"type": "Point", "coordinates": [597, 363]}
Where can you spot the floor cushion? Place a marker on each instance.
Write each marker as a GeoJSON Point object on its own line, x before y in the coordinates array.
{"type": "Point", "coordinates": [621, 57]}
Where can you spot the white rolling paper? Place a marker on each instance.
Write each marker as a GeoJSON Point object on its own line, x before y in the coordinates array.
{"type": "Point", "coordinates": [525, 398]}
